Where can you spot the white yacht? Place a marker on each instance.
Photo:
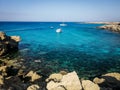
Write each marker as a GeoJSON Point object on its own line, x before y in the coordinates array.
{"type": "Point", "coordinates": [63, 24]}
{"type": "Point", "coordinates": [58, 30]}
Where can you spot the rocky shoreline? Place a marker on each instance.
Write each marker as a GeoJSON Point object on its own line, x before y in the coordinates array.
{"type": "Point", "coordinates": [112, 26]}
{"type": "Point", "coordinates": [15, 76]}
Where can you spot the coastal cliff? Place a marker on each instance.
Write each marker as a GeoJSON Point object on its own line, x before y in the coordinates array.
{"type": "Point", "coordinates": [8, 43]}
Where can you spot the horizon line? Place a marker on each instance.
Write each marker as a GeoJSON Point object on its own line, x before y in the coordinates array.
{"type": "Point", "coordinates": [53, 21]}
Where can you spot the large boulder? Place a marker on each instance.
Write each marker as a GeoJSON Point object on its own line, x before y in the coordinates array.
{"type": "Point", "coordinates": [69, 81]}
{"type": "Point", "coordinates": [89, 85]}
{"type": "Point", "coordinates": [8, 43]}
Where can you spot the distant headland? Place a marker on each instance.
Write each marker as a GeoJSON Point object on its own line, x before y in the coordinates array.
{"type": "Point", "coordinates": [112, 26]}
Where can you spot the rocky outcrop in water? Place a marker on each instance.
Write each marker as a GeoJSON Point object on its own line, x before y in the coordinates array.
{"type": "Point", "coordinates": [8, 43]}
{"type": "Point", "coordinates": [115, 28]}
{"type": "Point", "coordinates": [112, 26]}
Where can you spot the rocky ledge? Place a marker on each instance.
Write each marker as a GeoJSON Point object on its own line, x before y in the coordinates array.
{"type": "Point", "coordinates": [112, 26]}
{"type": "Point", "coordinates": [8, 43]}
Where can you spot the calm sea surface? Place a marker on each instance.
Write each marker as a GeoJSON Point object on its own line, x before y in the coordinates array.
{"type": "Point", "coordinates": [80, 47]}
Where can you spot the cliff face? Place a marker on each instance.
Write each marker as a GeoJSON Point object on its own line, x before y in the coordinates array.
{"type": "Point", "coordinates": [8, 43]}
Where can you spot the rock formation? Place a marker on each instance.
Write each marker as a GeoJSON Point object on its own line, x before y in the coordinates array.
{"type": "Point", "coordinates": [112, 26]}
{"type": "Point", "coordinates": [89, 85]}
{"type": "Point", "coordinates": [69, 81]}
{"type": "Point", "coordinates": [33, 87]}
{"type": "Point", "coordinates": [8, 43]}
{"type": "Point", "coordinates": [33, 75]}
{"type": "Point", "coordinates": [110, 80]}
{"type": "Point", "coordinates": [115, 28]}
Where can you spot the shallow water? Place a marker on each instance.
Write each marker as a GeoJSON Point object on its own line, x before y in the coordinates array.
{"type": "Point", "coordinates": [80, 47]}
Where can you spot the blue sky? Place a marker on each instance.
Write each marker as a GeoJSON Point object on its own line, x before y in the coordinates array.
{"type": "Point", "coordinates": [59, 10]}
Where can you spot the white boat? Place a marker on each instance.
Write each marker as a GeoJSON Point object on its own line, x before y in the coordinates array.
{"type": "Point", "coordinates": [58, 30]}
{"type": "Point", "coordinates": [63, 24]}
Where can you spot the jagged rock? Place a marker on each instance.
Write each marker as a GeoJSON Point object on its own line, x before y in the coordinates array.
{"type": "Point", "coordinates": [3, 70]}
{"type": "Point", "coordinates": [34, 76]}
{"type": "Point", "coordinates": [68, 82]}
{"type": "Point", "coordinates": [8, 43]}
{"type": "Point", "coordinates": [55, 77]}
{"type": "Point", "coordinates": [33, 87]}
{"type": "Point", "coordinates": [16, 38]}
{"type": "Point", "coordinates": [89, 85]}
{"type": "Point", "coordinates": [110, 80]}
{"type": "Point", "coordinates": [2, 35]}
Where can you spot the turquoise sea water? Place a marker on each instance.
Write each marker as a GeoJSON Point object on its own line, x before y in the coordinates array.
{"type": "Point", "coordinates": [80, 47]}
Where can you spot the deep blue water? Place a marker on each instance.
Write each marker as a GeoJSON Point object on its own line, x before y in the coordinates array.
{"type": "Point", "coordinates": [80, 47]}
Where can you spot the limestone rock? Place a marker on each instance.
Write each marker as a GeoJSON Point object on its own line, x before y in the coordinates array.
{"type": "Point", "coordinates": [3, 68]}
{"type": "Point", "coordinates": [68, 82]}
{"type": "Point", "coordinates": [98, 81]}
{"type": "Point", "coordinates": [8, 43]}
{"type": "Point", "coordinates": [33, 87]}
{"type": "Point", "coordinates": [89, 85]}
{"type": "Point", "coordinates": [16, 38]}
{"type": "Point", "coordinates": [110, 80]}
{"type": "Point", "coordinates": [115, 75]}
{"type": "Point", "coordinates": [2, 35]}
{"type": "Point", "coordinates": [55, 77]}
{"type": "Point", "coordinates": [1, 80]}
{"type": "Point", "coordinates": [56, 86]}
{"type": "Point", "coordinates": [34, 76]}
